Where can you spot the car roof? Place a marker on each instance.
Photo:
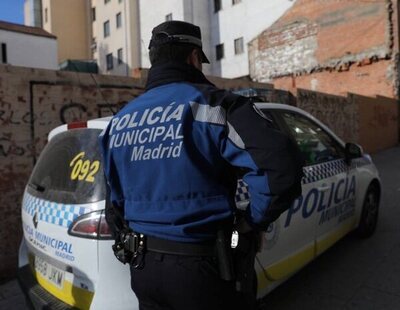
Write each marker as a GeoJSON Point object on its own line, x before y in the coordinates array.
{"type": "Point", "coordinates": [97, 123]}
{"type": "Point", "coordinates": [101, 123]}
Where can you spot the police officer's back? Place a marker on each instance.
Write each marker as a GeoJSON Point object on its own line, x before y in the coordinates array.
{"type": "Point", "coordinates": [171, 158]}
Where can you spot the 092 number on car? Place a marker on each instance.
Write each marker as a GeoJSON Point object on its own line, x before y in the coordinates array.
{"type": "Point", "coordinates": [83, 169]}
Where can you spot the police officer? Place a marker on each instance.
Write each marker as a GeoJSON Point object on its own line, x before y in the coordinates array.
{"type": "Point", "coordinates": [171, 158]}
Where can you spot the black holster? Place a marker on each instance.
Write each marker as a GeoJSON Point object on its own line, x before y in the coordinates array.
{"type": "Point", "coordinates": [224, 255]}
{"type": "Point", "coordinates": [243, 258]}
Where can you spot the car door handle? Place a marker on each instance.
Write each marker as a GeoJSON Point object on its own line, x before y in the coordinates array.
{"type": "Point", "coordinates": [323, 188]}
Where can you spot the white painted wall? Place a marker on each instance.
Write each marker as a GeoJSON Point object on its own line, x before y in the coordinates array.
{"type": "Point", "coordinates": [246, 19]}
{"type": "Point", "coordinates": [29, 50]}
{"type": "Point", "coordinates": [33, 13]}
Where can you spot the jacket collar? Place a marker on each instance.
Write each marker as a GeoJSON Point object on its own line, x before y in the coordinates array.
{"type": "Point", "coordinates": [173, 73]}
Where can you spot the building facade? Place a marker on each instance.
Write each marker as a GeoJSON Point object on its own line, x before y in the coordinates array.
{"type": "Point", "coordinates": [115, 36]}
{"type": "Point", "coordinates": [234, 23]}
{"type": "Point", "coordinates": [70, 22]}
{"type": "Point", "coordinates": [33, 13]}
{"type": "Point", "coordinates": [116, 33]}
{"type": "Point", "coordinates": [336, 47]}
{"type": "Point", "coordinates": [27, 46]}
{"type": "Point", "coordinates": [227, 26]}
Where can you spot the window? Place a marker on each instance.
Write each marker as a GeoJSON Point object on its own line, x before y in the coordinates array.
{"type": "Point", "coordinates": [51, 177]}
{"type": "Point", "coordinates": [109, 60]}
{"type": "Point", "coordinates": [3, 53]}
{"type": "Point", "coordinates": [239, 49]}
{"type": "Point", "coordinates": [236, 2]}
{"type": "Point", "coordinates": [219, 51]}
{"type": "Point", "coordinates": [106, 29]}
{"type": "Point", "coordinates": [217, 5]}
{"type": "Point", "coordinates": [93, 14]}
{"type": "Point", "coordinates": [46, 15]}
{"type": "Point", "coordinates": [316, 145]}
{"type": "Point", "coordinates": [120, 56]}
{"type": "Point", "coordinates": [119, 20]}
{"type": "Point", "coordinates": [168, 17]}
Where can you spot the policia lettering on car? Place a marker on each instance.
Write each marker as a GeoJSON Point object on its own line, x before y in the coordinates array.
{"type": "Point", "coordinates": [342, 194]}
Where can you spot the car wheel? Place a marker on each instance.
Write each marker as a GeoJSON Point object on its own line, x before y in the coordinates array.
{"type": "Point", "coordinates": [369, 213]}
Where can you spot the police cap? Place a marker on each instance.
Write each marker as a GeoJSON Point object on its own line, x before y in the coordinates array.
{"type": "Point", "coordinates": [177, 32]}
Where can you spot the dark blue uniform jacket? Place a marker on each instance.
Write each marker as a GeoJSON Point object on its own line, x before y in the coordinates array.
{"type": "Point", "coordinates": [172, 156]}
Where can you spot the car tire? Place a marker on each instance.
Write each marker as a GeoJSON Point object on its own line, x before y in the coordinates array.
{"type": "Point", "coordinates": [369, 213]}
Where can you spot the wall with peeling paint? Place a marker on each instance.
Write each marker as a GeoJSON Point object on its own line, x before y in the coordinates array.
{"type": "Point", "coordinates": [331, 46]}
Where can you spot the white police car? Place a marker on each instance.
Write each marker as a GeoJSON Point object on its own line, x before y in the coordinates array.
{"type": "Point", "coordinates": [65, 257]}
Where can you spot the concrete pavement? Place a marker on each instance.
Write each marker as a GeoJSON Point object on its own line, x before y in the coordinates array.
{"type": "Point", "coordinates": [354, 274]}
{"type": "Point", "coordinates": [11, 297]}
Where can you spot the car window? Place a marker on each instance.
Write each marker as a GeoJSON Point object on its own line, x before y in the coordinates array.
{"type": "Point", "coordinates": [315, 143]}
{"type": "Point", "coordinates": [69, 169]}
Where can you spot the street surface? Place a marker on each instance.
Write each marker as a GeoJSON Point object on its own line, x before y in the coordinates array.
{"type": "Point", "coordinates": [354, 274]}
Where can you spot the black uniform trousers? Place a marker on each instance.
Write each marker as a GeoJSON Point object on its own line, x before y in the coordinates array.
{"type": "Point", "coordinates": [177, 282]}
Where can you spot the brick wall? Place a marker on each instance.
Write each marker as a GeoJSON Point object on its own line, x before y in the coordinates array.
{"type": "Point", "coordinates": [331, 46]}
{"type": "Point", "coordinates": [378, 121]}
{"type": "Point", "coordinates": [375, 78]}
{"type": "Point", "coordinates": [372, 122]}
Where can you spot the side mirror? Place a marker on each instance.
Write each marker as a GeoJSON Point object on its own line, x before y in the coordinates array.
{"type": "Point", "coordinates": [352, 151]}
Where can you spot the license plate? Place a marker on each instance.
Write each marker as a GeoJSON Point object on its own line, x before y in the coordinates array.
{"type": "Point", "coordinates": [49, 272]}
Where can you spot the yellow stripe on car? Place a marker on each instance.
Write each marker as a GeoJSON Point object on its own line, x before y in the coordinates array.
{"type": "Point", "coordinates": [332, 238]}
{"type": "Point", "coordinates": [291, 264]}
{"type": "Point", "coordinates": [285, 267]}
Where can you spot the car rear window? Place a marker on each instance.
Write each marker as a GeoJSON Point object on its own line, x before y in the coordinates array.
{"type": "Point", "coordinates": [69, 169]}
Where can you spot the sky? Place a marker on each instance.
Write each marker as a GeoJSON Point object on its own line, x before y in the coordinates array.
{"type": "Point", "coordinates": [12, 11]}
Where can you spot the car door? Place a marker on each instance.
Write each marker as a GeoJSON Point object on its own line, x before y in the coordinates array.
{"type": "Point", "coordinates": [289, 242]}
{"type": "Point", "coordinates": [332, 180]}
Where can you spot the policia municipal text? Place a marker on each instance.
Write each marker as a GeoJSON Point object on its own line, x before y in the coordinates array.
{"type": "Point", "coordinates": [172, 158]}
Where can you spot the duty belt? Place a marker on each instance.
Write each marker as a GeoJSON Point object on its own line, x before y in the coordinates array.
{"type": "Point", "coordinates": [135, 241]}
{"type": "Point", "coordinates": [180, 248]}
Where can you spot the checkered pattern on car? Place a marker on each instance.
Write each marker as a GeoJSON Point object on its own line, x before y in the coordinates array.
{"type": "Point", "coordinates": [242, 191]}
{"type": "Point", "coordinates": [52, 212]}
{"type": "Point", "coordinates": [311, 174]}
{"type": "Point", "coordinates": [323, 171]}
